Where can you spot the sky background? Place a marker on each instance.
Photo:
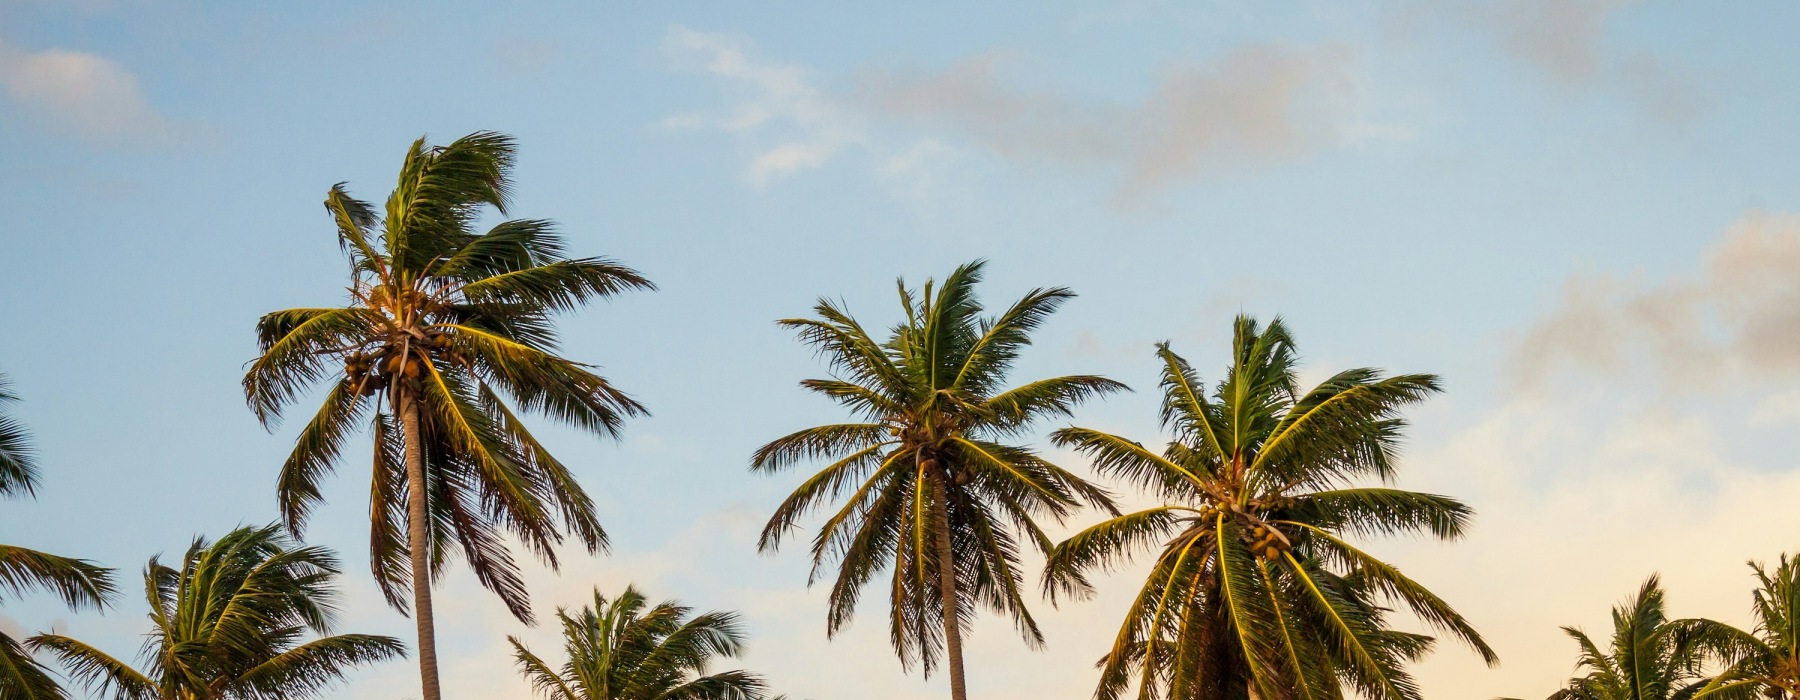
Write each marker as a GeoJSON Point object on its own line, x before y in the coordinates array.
{"type": "Point", "coordinates": [1580, 213]}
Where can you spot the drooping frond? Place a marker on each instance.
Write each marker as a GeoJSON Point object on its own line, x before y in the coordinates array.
{"type": "Point", "coordinates": [315, 454]}
{"type": "Point", "coordinates": [22, 677]}
{"type": "Point", "coordinates": [18, 463]}
{"type": "Point", "coordinates": [312, 667]}
{"type": "Point", "coordinates": [297, 348]}
{"type": "Point", "coordinates": [95, 669]}
{"type": "Point", "coordinates": [1108, 545]}
{"type": "Point", "coordinates": [78, 582]}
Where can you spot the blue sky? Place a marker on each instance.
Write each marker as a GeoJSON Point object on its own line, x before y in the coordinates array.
{"type": "Point", "coordinates": [1578, 212]}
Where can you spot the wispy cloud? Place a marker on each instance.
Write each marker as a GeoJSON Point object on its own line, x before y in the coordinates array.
{"type": "Point", "coordinates": [1736, 319]}
{"type": "Point", "coordinates": [1564, 43]}
{"type": "Point", "coordinates": [82, 94]}
{"type": "Point", "coordinates": [526, 56]}
{"type": "Point", "coordinates": [1255, 105]}
{"type": "Point", "coordinates": [780, 98]}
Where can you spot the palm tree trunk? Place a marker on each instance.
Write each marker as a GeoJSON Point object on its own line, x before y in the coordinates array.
{"type": "Point", "coordinates": [418, 547]}
{"type": "Point", "coordinates": [947, 589]}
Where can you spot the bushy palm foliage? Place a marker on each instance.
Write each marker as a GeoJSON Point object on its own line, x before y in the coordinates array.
{"type": "Point", "coordinates": [932, 488]}
{"type": "Point", "coordinates": [1257, 587]}
{"type": "Point", "coordinates": [78, 582]}
{"type": "Point", "coordinates": [18, 465]}
{"type": "Point", "coordinates": [229, 623]}
{"type": "Point", "coordinates": [1763, 662]}
{"type": "Point", "coordinates": [1650, 657]}
{"type": "Point", "coordinates": [442, 322]}
{"type": "Point", "coordinates": [625, 649]}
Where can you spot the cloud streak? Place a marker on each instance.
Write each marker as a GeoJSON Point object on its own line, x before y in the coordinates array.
{"type": "Point", "coordinates": [1255, 105]}
{"type": "Point", "coordinates": [1736, 320]}
{"type": "Point", "coordinates": [1564, 43]}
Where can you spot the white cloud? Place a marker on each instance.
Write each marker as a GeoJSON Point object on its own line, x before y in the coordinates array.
{"type": "Point", "coordinates": [84, 94]}
{"type": "Point", "coordinates": [774, 96]}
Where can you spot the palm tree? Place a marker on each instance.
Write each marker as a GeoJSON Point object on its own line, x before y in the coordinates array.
{"type": "Point", "coordinates": [1764, 662]}
{"type": "Point", "coordinates": [1651, 658]}
{"type": "Point", "coordinates": [935, 489]}
{"type": "Point", "coordinates": [1257, 592]}
{"type": "Point", "coordinates": [623, 649]}
{"type": "Point", "coordinates": [442, 321]}
{"type": "Point", "coordinates": [78, 582]}
{"type": "Point", "coordinates": [229, 623]}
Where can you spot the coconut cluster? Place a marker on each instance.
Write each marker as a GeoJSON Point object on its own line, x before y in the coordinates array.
{"type": "Point", "coordinates": [370, 372]}
{"type": "Point", "coordinates": [1264, 539]}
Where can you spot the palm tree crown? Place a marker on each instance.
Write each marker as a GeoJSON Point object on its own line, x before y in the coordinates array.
{"type": "Point", "coordinates": [443, 321]}
{"type": "Point", "coordinates": [1765, 661]}
{"type": "Point", "coordinates": [78, 582]}
{"type": "Point", "coordinates": [624, 649]}
{"type": "Point", "coordinates": [1651, 657]}
{"type": "Point", "coordinates": [228, 623]}
{"type": "Point", "coordinates": [934, 488]}
{"type": "Point", "coordinates": [1255, 590]}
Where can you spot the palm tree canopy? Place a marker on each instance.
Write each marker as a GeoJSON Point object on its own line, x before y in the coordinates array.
{"type": "Point", "coordinates": [461, 319]}
{"type": "Point", "coordinates": [229, 622]}
{"type": "Point", "coordinates": [625, 649]}
{"type": "Point", "coordinates": [933, 413]}
{"type": "Point", "coordinates": [1257, 588]}
{"type": "Point", "coordinates": [1650, 657]}
{"type": "Point", "coordinates": [1763, 662]}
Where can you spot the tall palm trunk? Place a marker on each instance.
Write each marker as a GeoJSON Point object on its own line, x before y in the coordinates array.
{"type": "Point", "coordinates": [418, 546]}
{"type": "Point", "coordinates": [946, 563]}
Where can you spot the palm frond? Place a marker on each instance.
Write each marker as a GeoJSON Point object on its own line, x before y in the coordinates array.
{"type": "Point", "coordinates": [819, 442]}
{"type": "Point", "coordinates": [310, 668]}
{"type": "Point", "coordinates": [22, 677]}
{"type": "Point", "coordinates": [315, 452]}
{"type": "Point", "coordinates": [18, 460]}
{"type": "Point", "coordinates": [1383, 511]}
{"type": "Point", "coordinates": [1017, 408]}
{"type": "Point", "coordinates": [95, 669]}
{"type": "Point", "coordinates": [1106, 546]}
{"type": "Point", "coordinates": [297, 346]}
{"type": "Point", "coordinates": [562, 285]}
{"type": "Point", "coordinates": [78, 582]}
